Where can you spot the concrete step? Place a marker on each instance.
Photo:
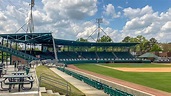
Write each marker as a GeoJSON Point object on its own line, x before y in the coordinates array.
{"type": "Point", "coordinates": [49, 91]}
{"type": "Point", "coordinates": [56, 94]}
{"type": "Point", "coordinates": [43, 89]}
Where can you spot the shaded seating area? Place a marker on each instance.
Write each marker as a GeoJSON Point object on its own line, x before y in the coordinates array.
{"type": "Point", "coordinates": [70, 57]}
{"type": "Point", "coordinates": [68, 51]}
{"type": "Point", "coordinates": [124, 55]}
{"type": "Point", "coordinates": [98, 57]}
{"type": "Point", "coordinates": [16, 79]}
{"type": "Point", "coordinates": [106, 55]}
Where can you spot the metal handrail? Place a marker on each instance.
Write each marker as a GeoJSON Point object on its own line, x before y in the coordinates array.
{"type": "Point", "coordinates": [17, 53]}
{"type": "Point", "coordinates": [55, 80]}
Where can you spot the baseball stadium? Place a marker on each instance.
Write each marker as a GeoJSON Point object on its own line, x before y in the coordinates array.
{"type": "Point", "coordinates": [40, 64]}
{"type": "Point", "coordinates": [109, 67]}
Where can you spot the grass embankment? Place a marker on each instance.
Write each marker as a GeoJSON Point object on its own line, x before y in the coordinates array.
{"type": "Point", "coordinates": [157, 80]}
{"type": "Point", "coordinates": [44, 69]}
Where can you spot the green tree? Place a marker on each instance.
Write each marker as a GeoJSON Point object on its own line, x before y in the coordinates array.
{"type": "Point", "coordinates": [155, 48]}
{"type": "Point", "coordinates": [79, 47]}
{"type": "Point", "coordinates": [105, 38]}
{"type": "Point", "coordinates": [146, 46]}
{"type": "Point", "coordinates": [153, 41]}
{"type": "Point", "coordinates": [143, 43]}
{"type": "Point", "coordinates": [82, 40]}
{"type": "Point", "coordinates": [154, 45]}
{"type": "Point", "coordinates": [127, 39]}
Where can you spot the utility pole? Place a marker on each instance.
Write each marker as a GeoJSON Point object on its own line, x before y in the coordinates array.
{"type": "Point", "coordinates": [99, 29]}
{"type": "Point", "coordinates": [98, 21]}
{"type": "Point", "coordinates": [30, 24]}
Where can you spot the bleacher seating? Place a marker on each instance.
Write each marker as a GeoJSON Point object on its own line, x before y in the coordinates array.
{"type": "Point", "coordinates": [105, 55]}
{"type": "Point", "coordinates": [123, 55]}
{"type": "Point", "coordinates": [88, 55]}
{"type": "Point", "coordinates": [47, 55]}
{"type": "Point", "coordinates": [70, 57]}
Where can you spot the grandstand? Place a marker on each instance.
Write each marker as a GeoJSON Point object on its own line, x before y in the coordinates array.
{"type": "Point", "coordinates": [66, 51]}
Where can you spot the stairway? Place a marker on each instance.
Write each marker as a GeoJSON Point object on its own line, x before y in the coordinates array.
{"type": "Point", "coordinates": [18, 53]}
{"type": "Point", "coordinates": [44, 90]}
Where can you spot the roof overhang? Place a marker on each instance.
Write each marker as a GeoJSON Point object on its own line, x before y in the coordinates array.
{"type": "Point", "coordinates": [46, 39]}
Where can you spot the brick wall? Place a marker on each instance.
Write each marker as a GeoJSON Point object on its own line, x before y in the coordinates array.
{"type": "Point", "coordinates": [22, 61]}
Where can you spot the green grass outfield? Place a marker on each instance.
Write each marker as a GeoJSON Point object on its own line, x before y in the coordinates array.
{"type": "Point", "coordinates": [157, 80]}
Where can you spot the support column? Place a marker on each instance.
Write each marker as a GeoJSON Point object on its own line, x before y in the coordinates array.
{"type": "Point", "coordinates": [2, 51]}
{"type": "Point", "coordinates": [55, 51]}
{"type": "Point", "coordinates": [10, 54]}
{"type": "Point", "coordinates": [7, 54]}
{"type": "Point", "coordinates": [25, 43]}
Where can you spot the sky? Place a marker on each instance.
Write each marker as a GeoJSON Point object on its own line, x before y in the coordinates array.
{"type": "Point", "coordinates": [73, 19]}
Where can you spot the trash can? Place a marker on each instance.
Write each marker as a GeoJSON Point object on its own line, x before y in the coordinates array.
{"type": "Point", "coordinates": [27, 70]}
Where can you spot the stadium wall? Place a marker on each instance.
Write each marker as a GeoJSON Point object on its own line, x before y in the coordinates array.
{"type": "Point", "coordinates": [127, 89]}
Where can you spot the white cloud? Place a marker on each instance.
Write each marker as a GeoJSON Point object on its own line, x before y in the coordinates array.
{"type": "Point", "coordinates": [57, 16]}
{"type": "Point", "coordinates": [110, 11]}
{"type": "Point", "coordinates": [114, 34]}
{"type": "Point", "coordinates": [148, 23]}
{"type": "Point", "coordinates": [66, 18]}
{"type": "Point", "coordinates": [132, 13]}
{"type": "Point", "coordinates": [2, 16]}
{"type": "Point", "coordinates": [88, 29]}
{"type": "Point", "coordinates": [166, 27]}
{"type": "Point", "coordinates": [120, 7]}
{"type": "Point", "coordinates": [11, 19]}
{"type": "Point", "coordinates": [105, 21]}
{"type": "Point", "coordinates": [64, 14]}
{"type": "Point", "coordinates": [72, 9]}
{"type": "Point", "coordinates": [89, 32]}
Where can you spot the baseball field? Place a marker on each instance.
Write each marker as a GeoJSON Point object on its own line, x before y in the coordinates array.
{"type": "Point", "coordinates": [156, 76]}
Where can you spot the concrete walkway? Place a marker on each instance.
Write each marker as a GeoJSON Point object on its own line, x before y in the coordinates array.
{"type": "Point", "coordinates": [85, 88]}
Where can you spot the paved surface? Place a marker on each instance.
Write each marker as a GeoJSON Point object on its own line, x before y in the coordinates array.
{"type": "Point", "coordinates": [152, 91]}
{"type": "Point", "coordinates": [86, 89]}
{"type": "Point", "coordinates": [14, 91]}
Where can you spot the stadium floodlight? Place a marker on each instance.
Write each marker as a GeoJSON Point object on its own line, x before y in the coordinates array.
{"type": "Point", "coordinates": [99, 29]}
{"type": "Point", "coordinates": [29, 24]}
{"type": "Point", "coordinates": [99, 20]}
{"type": "Point", "coordinates": [32, 3]}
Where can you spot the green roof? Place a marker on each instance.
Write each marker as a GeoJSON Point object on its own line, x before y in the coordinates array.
{"type": "Point", "coordinates": [76, 43]}
{"type": "Point", "coordinates": [35, 38]}
{"type": "Point", "coordinates": [148, 55]}
{"type": "Point", "coordinates": [46, 39]}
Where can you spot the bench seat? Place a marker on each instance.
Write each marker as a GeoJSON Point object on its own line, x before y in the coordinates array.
{"type": "Point", "coordinates": [20, 83]}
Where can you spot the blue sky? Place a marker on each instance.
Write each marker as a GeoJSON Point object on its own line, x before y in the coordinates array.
{"type": "Point", "coordinates": [72, 19]}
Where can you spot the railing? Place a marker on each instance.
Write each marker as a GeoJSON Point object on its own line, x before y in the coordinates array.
{"type": "Point", "coordinates": [35, 62]}
{"type": "Point", "coordinates": [52, 81]}
{"type": "Point", "coordinates": [114, 55]}
{"type": "Point", "coordinates": [96, 83]}
{"type": "Point", "coordinates": [97, 55]}
{"type": "Point", "coordinates": [18, 53]}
